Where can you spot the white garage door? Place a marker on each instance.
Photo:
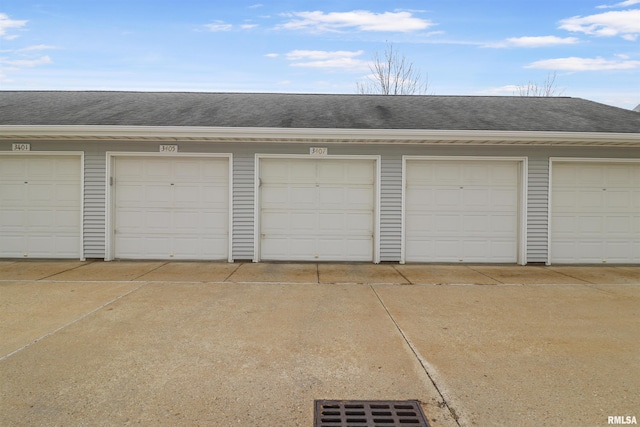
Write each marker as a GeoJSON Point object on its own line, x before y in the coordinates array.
{"type": "Point", "coordinates": [40, 206]}
{"type": "Point", "coordinates": [171, 208]}
{"type": "Point", "coordinates": [461, 211]}
{"type": "Point", "coordinates": [595, 213]}
{"type": "Point", "coordinates": [320, 209]}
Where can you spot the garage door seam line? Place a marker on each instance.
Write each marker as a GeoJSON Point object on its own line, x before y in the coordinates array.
{"type": "Point", "coordinates": [415, 352]}
{"type": "Point", "coordinates": [47, 335]}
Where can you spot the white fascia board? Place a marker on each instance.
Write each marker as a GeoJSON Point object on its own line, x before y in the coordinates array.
{"type": "Point", "coordinates": [366, 136]}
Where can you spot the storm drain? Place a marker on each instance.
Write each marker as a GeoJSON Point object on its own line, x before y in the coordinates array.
{"type": "Point", "coordinates": [368, 413]}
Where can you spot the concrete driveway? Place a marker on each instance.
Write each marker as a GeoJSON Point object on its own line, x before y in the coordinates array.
{"type": "Point", "coordinates": [216, 344]}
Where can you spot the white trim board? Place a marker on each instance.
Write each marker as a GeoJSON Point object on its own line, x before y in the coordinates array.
{"type": "Point", "coordinates": [87, 133]}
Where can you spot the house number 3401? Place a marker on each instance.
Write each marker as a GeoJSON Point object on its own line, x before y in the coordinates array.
{"type": "Point", "coordinates": [21, 147]}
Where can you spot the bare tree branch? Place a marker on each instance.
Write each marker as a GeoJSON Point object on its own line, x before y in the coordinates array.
{"type": "Point", "coordinates": [392, 74]}
{"type": "Point", "coordinates": [547, 88]}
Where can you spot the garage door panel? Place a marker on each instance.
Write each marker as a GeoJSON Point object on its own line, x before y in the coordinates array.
{"type": "Point", "coordinates": [40, 206]}
{"type": "Point", "coordinates": [447, 197]}
{"type": "Point", "coordinates": [41, 193]}
{"type": "Point", "coordinates": [447, 222]}
{"type": "Point", "coordinates": [504, 199]}
{"type": "Point", "coordinates": [158, 169]}
{"type": "Point", "coordinates": [13, 168]}
{"type": "Point", "coordinates": [13, 194]}
{"type": "Point", "coordinates": [620, 200]}
{"type": "Point", "coordinates": [13, 244]}
{"type": "Point", "coordinates": [281, 221]}
{"type": "Point", "coordinates": [359, 223]}
{"type": "Point", "coordinates": [215, 196]}
{"type": "Point", "coordinates": [175, 208]}
{"type": "Point", "coordinates": [461, 210]}
{"type": "Point", "coordinates": [67, 193]}
{"type": "Point", "coordinates": [41, 168]}
{"type": "Point", "coordinates": [13, 220]}
{"type": "Point", "coordinates": [352, 249]}
{"type": "Point", "coordinates": [506, 225]}
{"type": "Point", "coordinates": [477, 197]}
{"type": "Point", "coordinates": [617, 226]}
{"type": "Point", "coordinates": [593, 212]}
{"type": "Point", "coordinates": [60, 220]}
{"type": "Point", "coordinates": [316, 209]}
{"type": "Point", "coordinates": [301, 198]}
{"type": "Point", "coordinates": [473, 224]}
{"type": "Point", "coordinates": [331, 197]}
{"type": "Point", "coordinates": [186, 195]}
{"type": "Point", "coordinates": [289, 248]}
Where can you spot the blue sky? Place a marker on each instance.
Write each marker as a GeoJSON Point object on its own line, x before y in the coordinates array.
{"type": "Point", "coordinates": [466, 47]}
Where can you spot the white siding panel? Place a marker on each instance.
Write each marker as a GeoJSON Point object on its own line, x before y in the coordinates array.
{"type": "Point", "coordinates": [537, 209]}
{"type": "Point", "coordinates": [94, 204]}
{"type": "Point", "coordinates": [391, 208]}
{"type": "Point", "coordinates": [243, 206]}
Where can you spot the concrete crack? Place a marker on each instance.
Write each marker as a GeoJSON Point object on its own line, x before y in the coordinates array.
{"type": "Point", "coordinates": [421, 360]}
{"type": "Point", "coordinates": [6, 356]}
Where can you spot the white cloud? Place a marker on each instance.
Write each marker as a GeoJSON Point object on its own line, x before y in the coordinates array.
{"type": "Point", "coordinates": [626, 3]}
{"type": "Point", "coordinates": [624, 23]}
{"type": "Point", "coordinates": [534, 41]}
{"type": "Point", "coordinates": [6, 24]}
{"type": "Point", "coordinates": [502, 90]}
{"type": "Point", "coordinates": [272, 55]}
{"type": "Point", "coordinates": [219, 26]}
{"type": "Point", "coordinates": [38, 47]}
{"type": "Point", "coordinates": [362, 20]}
{"type": "Point", "coordinates": [295, 55]}
{"type": "Point", "coordinates": [248, 26]}
{"type": "Point", "coordinates": [584, 64]}
{"type": "Point", "coordinates": [341, 59]}
{"type": "Point", "coordinates": [26, 62]}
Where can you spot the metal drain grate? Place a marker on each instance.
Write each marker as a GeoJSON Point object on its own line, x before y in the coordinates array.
{"type": "Point", "coordinates": [369, 413]}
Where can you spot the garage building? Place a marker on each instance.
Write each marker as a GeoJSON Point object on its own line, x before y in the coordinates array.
{"type": "Point", "coordinates": [314, 177]}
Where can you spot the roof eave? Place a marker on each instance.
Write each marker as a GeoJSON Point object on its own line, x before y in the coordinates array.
{"type": "Point", "coordinates": [315, 135]}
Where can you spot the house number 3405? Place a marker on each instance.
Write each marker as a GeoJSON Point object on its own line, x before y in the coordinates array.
{"type": "Point", "coordinates": [168, 148]}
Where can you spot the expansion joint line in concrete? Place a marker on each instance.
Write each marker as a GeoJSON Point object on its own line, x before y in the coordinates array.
{"type": "Point", "coordinates": [47, 335]}
{"type": "Point", "coordinates": [415, 352]}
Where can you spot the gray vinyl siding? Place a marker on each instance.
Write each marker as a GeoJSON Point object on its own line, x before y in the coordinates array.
{"type": "Point", "coordinates": [94, 204]}
{"type": "Point", "coordinates": [243, 206]}
{"type": "Point", "coordinates": [391, 208]}
{"type": "Point", "coordinates": [537, 209]}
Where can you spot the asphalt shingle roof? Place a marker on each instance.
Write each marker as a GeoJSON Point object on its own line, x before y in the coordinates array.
{"type": "Point", "coordinates": [560, 114]}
